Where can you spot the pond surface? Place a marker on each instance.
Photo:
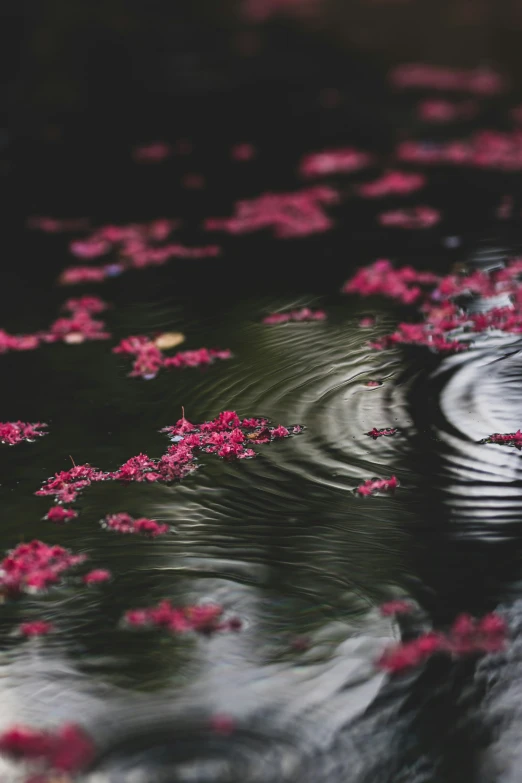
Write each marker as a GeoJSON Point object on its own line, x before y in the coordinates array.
{"type": "Point", "coordinates": [280, 541]}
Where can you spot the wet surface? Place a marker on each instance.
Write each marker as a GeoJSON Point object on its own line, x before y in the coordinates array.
{"type": "Point", "coordinates": [281, 541]}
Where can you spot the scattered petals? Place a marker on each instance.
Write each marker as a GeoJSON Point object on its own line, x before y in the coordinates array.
{"type": "Point", "coordinates": [466, 636]}
{"type": "Point", "coordinates": [123, 523]}
{"type": "Point", "coordinates": [375, 433]}
{"type": "Point", "coordinates": [506, 439]}
{"type": "Point", "coordinates": [96, 577]}
{"type": "Point", "coordinates": [36, 628]}
{"type": "Point", "coordinates": [59, 514]}
{"type": "Point", "coordinates": [393, 183]}
{"type": "Point", "coordinates": [202, 618]}
{"type": "Point", "coordinates": [304, 314]}
{"type": "Point", "coordinates": [12, 432]}
{"type": "Point", "coordinates": [413, 218]}
{"type": "Point", "coordinates": [288, 214]}
{"type": "Point", "coordinates": [339, 161]}
{"type": "Point", "coordinates": [371, 486]}
{"type": "Point", "coordinates": [149, 359]}
{"type": "Point", "coordinates": [35, 566]}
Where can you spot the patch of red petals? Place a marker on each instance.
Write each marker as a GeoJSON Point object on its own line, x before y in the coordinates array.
{"type": "Point", "coordinates": [59, 514]}
{"type": "Point", "coordinates": [375, 433]}
{"type": "Point", "coordinates": [156, 152]}
{"type": "Point", "coordinates": [77, 328]}
{"type": "Point", "coordinates": [12, 432]}
{"type": "Point", "coordinates": [467, 636]}
{"type": "Point", "coordinates": [412, 219]}
{"type": "Point", "coordinates": [380, 278]}
{"type": "Point", "coordinates": [486, 149]}
{"type": "Point", "coordinates": [51, 225]}
{"type": "Point", "coordinates": [97, 576]}
{"type": "Point", "coordinates": [338, 161]}
{"type": "Point", "coordinates": [35, 628]}
{"type": "Point", "coordinates": [479, 81]}
{"type": "Point", "coordinates": [149, 359]}
{"type": "Point", "coordinates": [203, 618]}
{"type": "Point", "coordinates": [124, 523]}
{"type": "Point", "coordinates": [372, 486]}
{"type": "Point", "coordinates": [288, 214]}
{"type": "Point", "coordinates": [137, 246]}
{"type": "Point", "coordinates": [67, 749]}
{"type": "Point", "coordinates": [392, 183]}
{"type": "Point", "coordinates": [304, 314]}
{"type": "Point", "coordinates": [35, 566]}
{"type": "Point", "coordinates": [440, 111]}
{"type": "Point", "coordinates": [227, 436]}
{"type": "Point", "coordinates": [396, 607]}
{"type": "Point", "coordinates": [506, 439]}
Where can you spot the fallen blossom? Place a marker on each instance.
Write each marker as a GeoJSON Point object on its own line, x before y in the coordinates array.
{"type": "Point", "coordinates": [12, 432]}
{"type": "Point", "coordinates": [375, 433]}
{"type": "Point", "coordinates": [203, 618]}
{"type": "Point", "coordinates": [65, 485]}
{"type": "Point", "coordinates": [66, 749]}
{"type": "Point", "coordinates": [403, 284]}
{"type": "Point", "coordinates": [467, 636]}
{"type": "Point", "coordinates": [367, 322]}
{"type": "Point", "coordinates": [97, 576]}
{"type": "Point", "coordinates": [59, 514]}
{"type": "Point", "coordinates": [304, 314]}
{"type": "Point", "coordinates": [480, 81]}
{"type": "Point", "coordinates": [51, 225]}
{"type": "Point", "coordinates": [243, 152]}
{"type": "Point", "coordinates": [371, 486]}
{"type": "Point", "coordinates": [288, 214]}
{"type": "Point", "coordinates": [398, 183]}
{"type": "Point", "coordinates": [339, 161]}
{"type": "Point", "coordinates": [222, 724]}
{"type": "Point", "coordinates": [35, 566]}
{"type": "Point", "coordinates": [506, 439]}
{"type": "Point", "coordinates": [413, 218]}
{"type": "Point", "coordinates": [486, 149]}
{"type": "Point", "coordinates": [441, 111]}
{"type": "Point", "coordinates": [36, 628]}
{"type": "Point", "coordinates": [395, 607]}
{"type": "Point", "coordinates": [152, 153]}
{"type": "Point", "coordinates": [123, 523]}
{"type": "Point", "coordinates": [373, 384]}
{"type": "Point", "coordinates": [149, 358]}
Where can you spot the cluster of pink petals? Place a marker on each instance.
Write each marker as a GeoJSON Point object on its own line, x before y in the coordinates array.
{"type": "Point", "coordinates": [506, 439]}
{"type": "Point", "coordinates": [478, 81]}
{"type": "Point", "coordinates": [243, 152]}
{"type": "Point", "coordinates": [375, 433]}
{"type": "Point", "coordinates": [338, 161]}
{"type": "Point", "coordinates": [149, 359]}
{"type": "Point", "coordinates": [420, 334]}
{"type": "Point", "coordinates": [35, 566]}
{"type": "Point", "coordinates": [380, 278]}
{"type": "Point", "coordinates": [65, 485]}
{"type": "Point", "coordinates": [413, 218]}
{"type": "Point", "coordinates": [486, 149]}
{"type": "Point", "coordinates": [371, 486]}
{"type": "Point", "coordinates": [79, 327]}
{"type": "Point", "coordinates": [59, 514]}
{"type": "Point", "coordinates": [51, 225]}
{"type": "Point", "coordinates": [395, 607]}
{"type": "Point", "coordinates": [304, 314]}
{"type": "Point", "coordinates": [227, 436]}
{"type": "Point", "coordinates": [466, 636]}
{"type": "Point", "coordinates": [124, 523]}
{"type": "Point", "coordinates": [288, 214]}
{"type": "Point", "coordinates": [441, 111]}
{"type": "Point", "coordinates": [203, 618]}
{"type": "Point", "coordinates": [12, 432]}
{"type": "Point", "coordinates": [67, 750]}
{"type": "Point", "coordinates": [136, 245]}
{"type": "Point", "coordinates": [36, 628]}
{"type": "Point", "coordinates": [97, 576]}
{"type": "Point", "coordinates": [152, 153]}
{"type": "Point", "coordinates": [392, 183]}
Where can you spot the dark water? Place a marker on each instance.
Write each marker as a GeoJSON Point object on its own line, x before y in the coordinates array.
{"type": "Point", "coordinates": [281, 540]}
